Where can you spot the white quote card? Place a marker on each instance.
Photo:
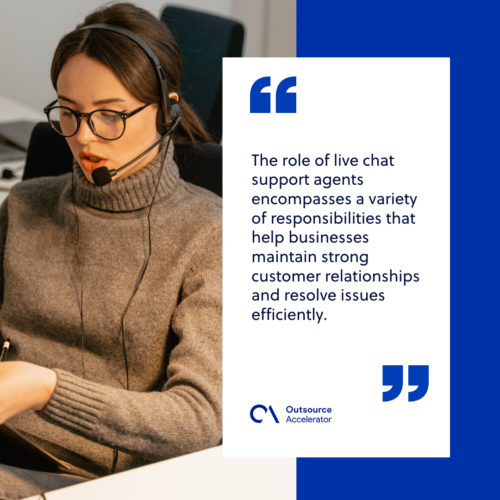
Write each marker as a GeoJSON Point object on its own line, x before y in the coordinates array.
{"type": "Point", "coordinates": [336, 257]}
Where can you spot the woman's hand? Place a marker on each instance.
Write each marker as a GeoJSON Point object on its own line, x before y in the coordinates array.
{"type": "Point", "coordinates": [24, 386]}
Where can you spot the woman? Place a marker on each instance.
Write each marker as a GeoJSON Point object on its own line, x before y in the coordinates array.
{"type": "Point", "coordinates": [103, 286]}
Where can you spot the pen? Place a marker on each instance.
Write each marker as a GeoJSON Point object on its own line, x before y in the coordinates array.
{"type": "Point", "coordinates": [5, 350]}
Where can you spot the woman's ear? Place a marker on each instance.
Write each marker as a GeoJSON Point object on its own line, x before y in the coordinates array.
{"type": "Point", "coordinates": [159, 119]}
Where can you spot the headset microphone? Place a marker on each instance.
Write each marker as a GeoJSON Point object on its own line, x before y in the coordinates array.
{"type": "Point", "coordinates": [104, 175]}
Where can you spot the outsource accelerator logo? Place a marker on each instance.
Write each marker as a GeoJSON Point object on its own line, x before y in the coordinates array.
{"type": "Point", "coordinates": [295, 415]}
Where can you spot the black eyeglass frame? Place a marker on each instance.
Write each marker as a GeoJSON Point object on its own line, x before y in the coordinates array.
{"type": "Point", "coordinates": [78, 115]}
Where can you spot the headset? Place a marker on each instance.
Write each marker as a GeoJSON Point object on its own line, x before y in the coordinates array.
{"type": "Point", "coordinates": [170, 109]}
{"type": "Point", "coordinates": [170, 113]}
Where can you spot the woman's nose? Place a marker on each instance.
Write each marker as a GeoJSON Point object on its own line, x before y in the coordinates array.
{"type": "Point", "coordinates": [85, 134]}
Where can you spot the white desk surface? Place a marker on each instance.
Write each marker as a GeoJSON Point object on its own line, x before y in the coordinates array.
{"type": "Point", "coordinates": [203, 475]}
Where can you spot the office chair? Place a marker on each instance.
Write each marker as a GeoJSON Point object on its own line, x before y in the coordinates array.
{"type": "Point", "coordinates": [204, 40]}
{"type": "Point", "coordinates": [49, 154]}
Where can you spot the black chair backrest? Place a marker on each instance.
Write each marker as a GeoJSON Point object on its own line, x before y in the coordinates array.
{"type": "Point", "coordinates": [204, 40]}
{"type": "Point", "coordinates": [49, 154]}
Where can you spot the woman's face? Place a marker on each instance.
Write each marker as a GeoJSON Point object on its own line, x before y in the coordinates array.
{"type": "Point", "coordinates": [84, 85]}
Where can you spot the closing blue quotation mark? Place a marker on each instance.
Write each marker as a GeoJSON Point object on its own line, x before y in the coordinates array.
{"type": "Point", "coordinates": [393, 375]}
{"type": "Point", "coordinates": [418, 375]}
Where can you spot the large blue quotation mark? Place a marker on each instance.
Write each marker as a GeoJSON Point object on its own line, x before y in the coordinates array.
{"type": "Point", "coordinates": [286, 102]}
{"type": "Point", "coordinates": [418, 375]}
{"type": "Point", "coordinates": [260, 102]}
{"type": "Point", "coordinates": [393, 375]}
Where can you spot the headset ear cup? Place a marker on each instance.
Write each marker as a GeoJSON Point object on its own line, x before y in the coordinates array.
{"type": "Point", "coordinates": [159, 123]}
{"type": "Point", "coordinates": [175, 109]}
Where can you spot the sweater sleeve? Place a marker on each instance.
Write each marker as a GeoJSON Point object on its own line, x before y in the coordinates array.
{"type": "Point", "coordinates": [186, 414]}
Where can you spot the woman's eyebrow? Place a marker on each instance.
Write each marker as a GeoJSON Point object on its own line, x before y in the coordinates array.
{"type": "Point", "coordinates": [108, 101]}
{"type": "Point", "coordinates": [67, 99]}
{"type": "Point", "coordinates": [96, 103]}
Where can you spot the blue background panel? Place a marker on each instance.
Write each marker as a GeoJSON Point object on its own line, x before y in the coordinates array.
{"type": "Point", "coordinates": [468, 33]}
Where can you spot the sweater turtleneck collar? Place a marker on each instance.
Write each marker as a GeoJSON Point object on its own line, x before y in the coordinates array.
{"type": "Point", "coordinates": [134, 192]}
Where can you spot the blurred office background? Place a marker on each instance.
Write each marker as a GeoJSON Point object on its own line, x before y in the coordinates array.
{"type": "Point", "coordinates": [30, 31]}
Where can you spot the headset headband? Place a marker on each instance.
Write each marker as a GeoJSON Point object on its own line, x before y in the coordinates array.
{"type": "Point", "coordinates": [165, 101]}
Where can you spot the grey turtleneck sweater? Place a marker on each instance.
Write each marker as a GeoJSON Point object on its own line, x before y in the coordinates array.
{"type": "Point", "coordinates": [71, 254]}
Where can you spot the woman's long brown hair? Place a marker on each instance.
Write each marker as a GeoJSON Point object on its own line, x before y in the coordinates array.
{"type": "Point", "coordinates": [129, 62]}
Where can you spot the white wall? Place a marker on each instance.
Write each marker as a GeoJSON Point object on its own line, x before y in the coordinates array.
{"type": "Point", "coordinates": [31, 29]}
{"type": "Point", "coordinates": [282, 34]}
{"type": "Point", "coordinates": [253, 15]}
{"type": "Point", "coordinates": [270, 27]}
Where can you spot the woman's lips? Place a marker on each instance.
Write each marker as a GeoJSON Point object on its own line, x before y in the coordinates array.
{"type": "Point", "coordinates": [91, 161]}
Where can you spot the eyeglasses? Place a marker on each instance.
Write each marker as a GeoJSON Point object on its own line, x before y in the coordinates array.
{"type": "Point", "coordinates": [105, 123]}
